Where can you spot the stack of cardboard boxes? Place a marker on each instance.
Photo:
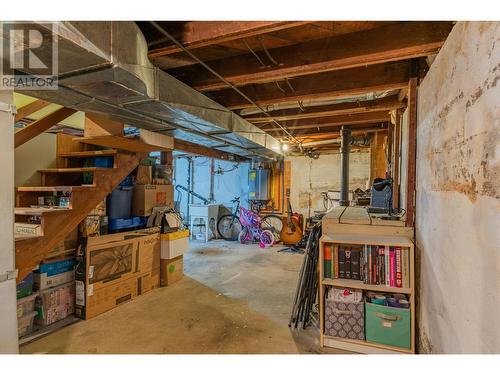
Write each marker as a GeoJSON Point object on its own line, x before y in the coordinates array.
{"type": "Point", "coordinates": [173, 247]}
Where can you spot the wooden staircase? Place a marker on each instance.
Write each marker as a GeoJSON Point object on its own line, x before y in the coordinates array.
{"type": "Point", "coordinates": [57, 223]}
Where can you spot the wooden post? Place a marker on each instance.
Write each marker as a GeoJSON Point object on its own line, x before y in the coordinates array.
{"type": "Point", "coordinates": [8, 305]}
{"type": "Point", "coordinates": [412, 148]}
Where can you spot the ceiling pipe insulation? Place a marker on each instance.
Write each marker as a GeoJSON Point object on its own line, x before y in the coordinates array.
{"type": "Point", "coordinates": [104, 68]}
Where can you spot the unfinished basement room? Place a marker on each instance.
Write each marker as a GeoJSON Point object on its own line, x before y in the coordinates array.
{"type": "Point", "coordinates": [243, 186]}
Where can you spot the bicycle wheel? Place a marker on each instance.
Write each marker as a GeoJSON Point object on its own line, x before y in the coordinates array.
{"type": "Point", "coordinates": [266, 238]}
{"type": "Point", "coordinates": [244, 236]}
{"type": "Point", "coordinates": [274, 224]}
{"type": "Point", "coordinates": [229, 227]}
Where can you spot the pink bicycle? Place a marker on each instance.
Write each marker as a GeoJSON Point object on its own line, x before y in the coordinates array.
{"type": "Point", "coordinates": [252, 231]}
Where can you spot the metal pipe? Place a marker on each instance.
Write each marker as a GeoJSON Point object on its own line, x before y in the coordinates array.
{"type": "Point", "coordinates": [354, 141]}
{"type": "Point", "coordinates": [345, 146]}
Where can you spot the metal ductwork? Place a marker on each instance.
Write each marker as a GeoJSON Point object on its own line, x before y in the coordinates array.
{"type": "Point", "coordinates": [104, 68]}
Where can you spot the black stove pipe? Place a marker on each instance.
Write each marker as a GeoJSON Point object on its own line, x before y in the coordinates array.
{"type": "Point", "coordinates": [345, 148]}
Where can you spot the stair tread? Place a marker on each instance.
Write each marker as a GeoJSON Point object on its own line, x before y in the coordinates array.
{"type": "Point", "coordinates": [37, 211]}
{"type": "Point", "coordinates": [72, 170]}
{"type": "Point", "coordinates": [20, 237]}
{"type": "Point", "coordinates": [55, 188]}
{"type": "Point", "coordinates": [82, 154]}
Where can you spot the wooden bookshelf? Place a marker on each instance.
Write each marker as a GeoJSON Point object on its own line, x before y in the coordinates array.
{"type": "Point", "coordinates": [362, 346]}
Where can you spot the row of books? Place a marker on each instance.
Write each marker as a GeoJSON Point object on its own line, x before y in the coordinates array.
{"type": "Point", "coordinates": [372, 264]}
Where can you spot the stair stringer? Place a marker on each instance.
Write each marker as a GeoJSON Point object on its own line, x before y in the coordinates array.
{"type": "Point", "coordinates": [30, 252]}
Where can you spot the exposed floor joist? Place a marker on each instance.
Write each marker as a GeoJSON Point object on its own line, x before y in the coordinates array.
{"type": "Point", "coordinates": [383, 104]}
{"type": "Point", "coordinates": [390, 43]}
{"type": "Point", "coordinates": [360, 118]}
{"type": "Point", "coordinates": [198, 34]}
{"type": "Point", "coordinates": [329, 85]}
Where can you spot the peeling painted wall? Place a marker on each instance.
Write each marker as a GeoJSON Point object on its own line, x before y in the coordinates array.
{"type": "Point", "coordinates": [310, 177]}
{"type": "Point", "coordinates": [458, 205]}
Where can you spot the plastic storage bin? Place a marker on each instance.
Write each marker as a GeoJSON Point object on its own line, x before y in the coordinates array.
{"type": "Point", "coordinates": [25, 324]}
{"type": "Point", "coordinates": [345, 319]}
{"type": "Point", "coordinates": [388, 325]}
{"type": "Point", "coordinates": [119, 203]}
{"type": "Point", "coordinates": [26, 305]}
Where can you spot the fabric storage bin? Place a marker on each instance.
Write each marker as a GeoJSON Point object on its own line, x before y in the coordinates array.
{"type": "Point", "coordinates": [345, 319]}
{"type": "Point", "coordinates": [25, 324]}
{"type": "Point", "coordinates": [388, 325]}
{"type": "Point", "coordinates": [26, 305]}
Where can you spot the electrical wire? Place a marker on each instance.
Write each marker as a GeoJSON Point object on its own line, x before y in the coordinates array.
{"type": "Point", "coordinates": [229, 84]}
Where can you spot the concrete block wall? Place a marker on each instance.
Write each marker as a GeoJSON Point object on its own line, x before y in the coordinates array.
{"type": "Point", "coordinates": [458, 195]}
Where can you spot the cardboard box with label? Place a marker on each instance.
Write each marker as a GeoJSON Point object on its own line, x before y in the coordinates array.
{"type": "Point", "coordinates": [171, 270]}
{"type": "Point", "coordinates": [111, 267]}
{"type": "Point", "coordinates": [146, 197]}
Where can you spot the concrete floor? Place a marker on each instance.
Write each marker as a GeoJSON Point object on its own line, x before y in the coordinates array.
{"type": "Point", "coordinates": [233, 299]}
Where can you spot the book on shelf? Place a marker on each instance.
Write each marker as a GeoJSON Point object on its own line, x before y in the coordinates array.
{"type": "Point", "coordinates": [341, 265]}
{"type": "Point", "coordinates": [327, 261]}
{"type": "Point", "coordinates": [371, 264]}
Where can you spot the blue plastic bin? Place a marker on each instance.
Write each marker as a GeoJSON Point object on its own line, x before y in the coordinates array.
{"type": "Point", "coordinates": [119, 203]}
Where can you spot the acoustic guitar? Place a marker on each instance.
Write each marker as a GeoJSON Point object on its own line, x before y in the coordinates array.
{"type": "Point", "coordinates": [291, 232]}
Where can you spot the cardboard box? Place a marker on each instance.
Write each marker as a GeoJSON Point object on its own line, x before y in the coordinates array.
{"type": "Point", "coordinates": [55, 304]}
{"type": "Point", "coordinates": [57, 266]}
{"type": "Point", "coordinates": [93, 302]}
{"type": "Point", "coordinates": [42, 281]}
{"type": "Point", "coordinates": [146, 197]}
{"type": "Point", "coordinates": [174, 244]}
{"type": "Point", "coordinates": [90, 302]}
{"type": "Point", "coordinates": [171, 270]}
{"type": "Point", "coordinates": [148, 281]}
{"type": "Point", "coordinates": [115, 268]}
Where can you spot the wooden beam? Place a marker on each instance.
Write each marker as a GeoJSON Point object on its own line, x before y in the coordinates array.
{"type": "Point", "coordinates": [196, 34]}
{"type": "Point", "coordinates": [329, 85]}
{"type": "Point", "coordinates": [38, 127]}
{"type": "Point", "coordinates": [383, 104]}
{"type": "Point", "coordinates": [97, 125]}
{"type": "Point", "coordinates": [399, 41]}
{"type": "Point", "coordinates": [192, 148]}
{"type": "Point", "coordinates": [412, 151]}
{"type": "Point", "coordinates": [30, 108]}
{"type": "Point", "coordinates": [360, 118]}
